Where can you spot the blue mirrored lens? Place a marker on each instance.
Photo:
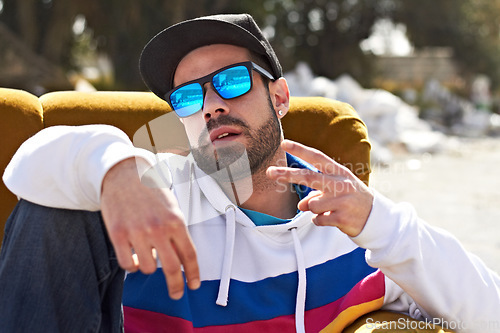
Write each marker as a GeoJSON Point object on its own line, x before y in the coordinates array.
{"type": "Point", "coordinates": [232, 82]}
{"type": "Point", "coordinates": [187, 100]}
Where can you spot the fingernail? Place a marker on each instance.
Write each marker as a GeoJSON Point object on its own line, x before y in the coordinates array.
{"type": "Point", "coordinates": [274, 171]}
{"type": "Point", "coordinates": [176, 295]}
{"type": "Point", "coordinates": [194, 284]}
{"type": "Point", "coordinates": [271, 171]}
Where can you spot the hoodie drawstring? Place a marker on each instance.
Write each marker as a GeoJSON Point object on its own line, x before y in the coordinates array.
{"type": "Point", "coordinates": [227, 262]}
{"type": "Point", "coordinates": [300, 303]}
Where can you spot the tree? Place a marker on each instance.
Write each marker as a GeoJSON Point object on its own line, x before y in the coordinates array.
{"type": "Point", "coordinates": [119, 28]}
{"type": "Point", "coordinates": [44, 26]}
{"type": "Point", "coordinates": [326, 34]}
{"type": "Point", "coordinates": [39, 47]}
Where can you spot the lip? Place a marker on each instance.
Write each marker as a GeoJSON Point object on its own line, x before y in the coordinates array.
{"type": "Point", "coordinates": [232, 131]}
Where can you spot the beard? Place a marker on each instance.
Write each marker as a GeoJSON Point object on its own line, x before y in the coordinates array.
{"type": "Point", "coordinates": [239, 161]}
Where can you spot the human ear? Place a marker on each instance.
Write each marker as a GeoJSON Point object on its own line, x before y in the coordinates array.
{"type": "Point", "coordinates": [280, 96]}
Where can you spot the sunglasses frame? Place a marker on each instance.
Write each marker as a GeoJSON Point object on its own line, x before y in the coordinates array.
{"type": "Point", "coordinates": [250, 65]}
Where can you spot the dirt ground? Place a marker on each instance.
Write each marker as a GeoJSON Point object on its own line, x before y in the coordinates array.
{"type": "Point", "coordinates": [457, 190]}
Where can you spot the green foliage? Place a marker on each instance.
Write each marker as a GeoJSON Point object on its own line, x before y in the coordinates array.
{"type": "Point", "coordinates": [324, 33]}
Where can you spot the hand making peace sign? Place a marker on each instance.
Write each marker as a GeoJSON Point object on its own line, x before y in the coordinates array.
{"type": "Point", "coordinates": [340, 199]}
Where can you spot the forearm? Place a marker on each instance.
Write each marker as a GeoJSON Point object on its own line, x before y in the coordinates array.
{"type": "Point", "coordinates": [63, 166]}
{"type": "Point", "coordinates": [430, 265]}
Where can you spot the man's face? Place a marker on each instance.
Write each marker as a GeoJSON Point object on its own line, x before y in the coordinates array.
{"type": "Point", "coordinates": [243, 132]}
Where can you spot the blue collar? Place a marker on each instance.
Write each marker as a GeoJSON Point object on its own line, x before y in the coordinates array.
{"type": "Point", "coordinates": [295, 162]}
{"type": "Point", "coordinates": [301, 190]}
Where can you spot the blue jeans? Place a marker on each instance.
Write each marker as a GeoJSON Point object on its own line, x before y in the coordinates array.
{"type": "Point", "coordinates": [58, 273]}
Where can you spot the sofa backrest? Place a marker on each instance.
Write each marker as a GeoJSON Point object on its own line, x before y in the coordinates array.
{"type": "Point", "coordinates": [21, 116]}
{"type": "Point", "coordinates": [330, 126]}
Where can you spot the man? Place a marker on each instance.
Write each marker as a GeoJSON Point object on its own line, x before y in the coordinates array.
{"type": "Point", "coordinates": [222, 219]}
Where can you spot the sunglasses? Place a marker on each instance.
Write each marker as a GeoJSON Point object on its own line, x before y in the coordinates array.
{"type": "Point", "coordinates": [228, 82]}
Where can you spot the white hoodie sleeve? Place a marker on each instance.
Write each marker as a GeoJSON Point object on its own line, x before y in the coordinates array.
{"type": "Point", "coordinates": [432, 267]}
{"type": "Point", "coordinates": [63, 166]}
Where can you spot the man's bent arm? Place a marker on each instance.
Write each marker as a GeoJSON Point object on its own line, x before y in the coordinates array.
{"type": "Point", "coordinates": [431, 266]}
{"type": "Point", "coordinates": [63, 166]}
{"type": "Point", "coordinates": [96, 167]}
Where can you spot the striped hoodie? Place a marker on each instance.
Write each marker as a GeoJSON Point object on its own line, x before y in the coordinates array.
{"type": "Point", "coordinates": [286, 277]}
{"type": "Point", "coordinates": [281, 277]}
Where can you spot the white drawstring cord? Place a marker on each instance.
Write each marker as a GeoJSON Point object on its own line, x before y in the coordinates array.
{"type": "Point", "coordinates": [300, 304]}
{"type": "Point", "coordinates": [223, 294]}
{"type": "Point", "coordinates": [228, 256]}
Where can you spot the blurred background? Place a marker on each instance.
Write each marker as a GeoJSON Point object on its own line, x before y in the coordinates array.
{"type": "Point", "coordinates": [424, 76]}
{"type": "Point", "coordinates": [438, 56]}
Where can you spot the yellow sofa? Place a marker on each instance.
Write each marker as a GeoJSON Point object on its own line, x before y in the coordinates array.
{"type": "Point", "coordinates": [328, 125]}
{"type": "Point", "coordinates": [331, 126]}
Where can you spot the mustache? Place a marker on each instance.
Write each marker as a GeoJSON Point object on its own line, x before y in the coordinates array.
{"type": "Point", "coordinates": [225, 120]}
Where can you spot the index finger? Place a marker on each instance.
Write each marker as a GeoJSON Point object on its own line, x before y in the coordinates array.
{"type": "Point", "coordinates": [309, 178]}
{"type": "Point", "coordinates": [316, 158]}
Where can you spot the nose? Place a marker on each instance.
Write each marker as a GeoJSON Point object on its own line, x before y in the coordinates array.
{"type": "Point", "coordinates": [213, 104]}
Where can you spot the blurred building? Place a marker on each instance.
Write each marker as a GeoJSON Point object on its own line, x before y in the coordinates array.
{"type": "Point", "coordinates": [417, 68]}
